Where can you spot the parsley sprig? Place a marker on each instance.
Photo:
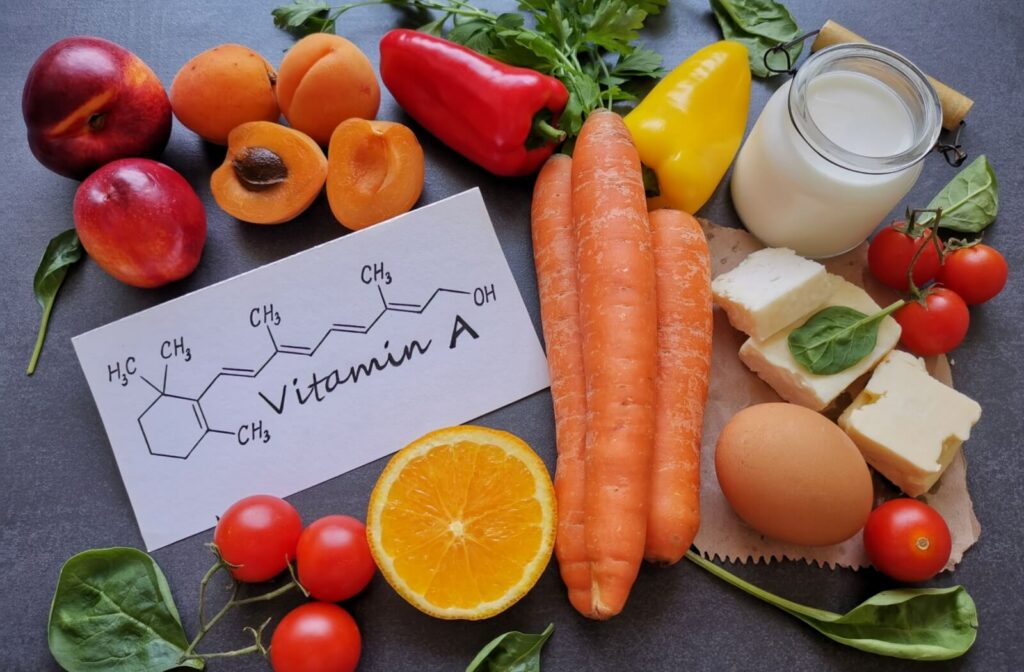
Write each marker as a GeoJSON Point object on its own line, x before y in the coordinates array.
{"type": "Point", "coordinates": [590, 45]}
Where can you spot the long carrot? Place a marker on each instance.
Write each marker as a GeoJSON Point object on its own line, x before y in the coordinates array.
{"type": "Point", "coordinates": [554, 253]}
{"type": "Point", "coordinates": [618, 320]}
{"type": "Point", "coordinates": [683, 268]}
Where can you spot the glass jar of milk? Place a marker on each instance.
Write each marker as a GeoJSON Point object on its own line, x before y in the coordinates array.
{"type": "Point", "coordinates": [835, 149]}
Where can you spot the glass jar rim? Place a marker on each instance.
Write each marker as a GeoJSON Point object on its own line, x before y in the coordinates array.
{"type": "Point", "coordinates": [931, 108]}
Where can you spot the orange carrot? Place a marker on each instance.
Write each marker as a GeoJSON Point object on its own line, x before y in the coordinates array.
{"type": "Point", "coordinates": [618, 321]}
{"type": "Point", "coordinates": [554, 253]}
{"type": "Point", "coordinates": [683, 268]}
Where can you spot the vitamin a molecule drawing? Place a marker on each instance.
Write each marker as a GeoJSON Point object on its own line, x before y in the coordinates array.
{"type": "Point", "coordinates": [175, 425]}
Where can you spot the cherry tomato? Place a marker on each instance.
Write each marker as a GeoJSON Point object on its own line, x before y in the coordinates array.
{"type": "Point", "coordinates": [907, 540]}
{"type": "Point", "coordinates": [891, 252]}
{"type": "Point", "coordinates": [334, 558]}
{"type": "Point", "coordinates": [977, 273]}
{"type": "Point", "coordinates": [259, 535]}
{"type": "Point", "coordinates": [316, 637]}
{"type": "Point", "coordinates": [936, 327]}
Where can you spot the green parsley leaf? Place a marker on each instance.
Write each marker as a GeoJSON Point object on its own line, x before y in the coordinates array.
{"type": "Point", "coordinates": [303, 17]}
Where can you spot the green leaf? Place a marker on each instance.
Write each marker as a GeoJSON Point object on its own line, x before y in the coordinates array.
{"type": "Point", "coordinates": [113, 612]}
{"type": "Point", "coordinates": [511, 652]}
{"type": "Point", "coordinates": [835, 338]}
{"type": "Point", "coordinates": [643, 62]}
{"type": "Point", "coordinates": [970, 202]}
{"type": "Point", "coordinates": [910, 623]}
{"type": "Point", "coordinates": [758, 25]}
{"type": "Point", "coordinates": [584, 97]}
{"type": "Point", "coordinates": [303, 17]}
{"type": "Point", "coordinates": [478, 35]}
{"type": "Point", "coordinates": [614, 25]}
{"type": "Point", "coordinates": [61, 253]}
{"type": "Point", "coordinates": [652, 7]}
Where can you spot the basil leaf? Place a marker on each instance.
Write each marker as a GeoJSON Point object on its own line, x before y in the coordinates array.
{"type": "Point", "coordinates": [835, 338]}
{"type": "Point", "coordinates": [911, 623]}
{"type": "Point", "coordinates": [113, 612]}
{"type": "Point", "coordinates": [61, 253]}
{"type": "Point", "coordinates": [970, 202]}
{"type": "Point", "coordinates": [758, 25]}
{"type": "Point", "coordinates": [512, 652]}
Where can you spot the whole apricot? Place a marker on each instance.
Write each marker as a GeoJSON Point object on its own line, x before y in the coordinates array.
{"type": "Point", "coordinates": [271, 173]}
{"type": "Point", "coordinates": [222, 88]}
{"type": "Point", "coordinates": [324, 80]}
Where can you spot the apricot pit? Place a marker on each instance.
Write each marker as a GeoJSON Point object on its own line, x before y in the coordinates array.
{"type": "Point", "coordinates": [271, 173]}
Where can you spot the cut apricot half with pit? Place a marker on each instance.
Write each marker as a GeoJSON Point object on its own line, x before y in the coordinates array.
{"type": "Point", "coordinates": [374, 172]}
{"type": "Point", "coordinates": [271, 173]}
{"type": "Point", "coordinates": [462, 522]}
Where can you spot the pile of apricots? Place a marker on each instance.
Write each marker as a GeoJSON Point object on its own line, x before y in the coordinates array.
{"type": "Point", "coordinates": [327, 90]}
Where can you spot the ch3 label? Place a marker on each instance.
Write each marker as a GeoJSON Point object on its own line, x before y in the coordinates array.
{"type": "Point", "coordinates": [265, 314]}
{"type": "Point", "coordinates": [375, 272]}
{"type": "Point", "coordinates": [252, 432]}
{"type": "Point", "coordinates": [175, 348]}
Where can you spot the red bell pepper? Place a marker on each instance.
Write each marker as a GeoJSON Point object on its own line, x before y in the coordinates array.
{"type": "Point", "coordinates": [498, 116]}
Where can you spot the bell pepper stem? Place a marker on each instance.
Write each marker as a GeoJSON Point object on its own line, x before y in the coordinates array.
{"type": "Point", "coordinates": [542, 129]}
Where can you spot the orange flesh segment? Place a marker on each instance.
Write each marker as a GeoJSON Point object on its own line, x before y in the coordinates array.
{"type": "Point", "coordinates": [462, 526]}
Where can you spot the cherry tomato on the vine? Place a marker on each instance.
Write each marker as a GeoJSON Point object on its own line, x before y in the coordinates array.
{"type": "Point", "coordinates": [936, 326]}
{"type": "Point", "coordinates": [891, 252]}
{"type": "Point", "coordinates": [977, 273]}
{"type": "Point", "coordinates": [316, 637]}
{"type": "Point", "coordinates": [907, 540]}
{"type": "Point", "coordinates": [258, 534]}
{"type": "Point", "coordinates": [334, 559]}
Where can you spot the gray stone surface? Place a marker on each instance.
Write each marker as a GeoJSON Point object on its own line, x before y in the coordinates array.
{"type": "Point", "coordinates": [61, 491]}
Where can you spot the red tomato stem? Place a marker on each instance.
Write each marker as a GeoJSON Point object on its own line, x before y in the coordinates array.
{"type": "Point", "coordinates": [932, 230]}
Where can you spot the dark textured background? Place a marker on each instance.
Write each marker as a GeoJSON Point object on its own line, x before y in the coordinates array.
{"type": "Point", "coordinates": [61, 492]}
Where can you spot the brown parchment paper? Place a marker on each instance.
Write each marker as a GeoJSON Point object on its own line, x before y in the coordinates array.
{"type": "Point", "coordinates": [734, 387]}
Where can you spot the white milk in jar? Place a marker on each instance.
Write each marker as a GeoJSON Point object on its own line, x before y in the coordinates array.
{"type": "Point", "coordinates": [835, 149]}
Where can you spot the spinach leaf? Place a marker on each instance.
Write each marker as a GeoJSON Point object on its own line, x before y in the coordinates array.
{"type": "Point", "coordinates": [911, 623]}
{"type": "Point", "coordinates": [970, 202]}
{"type": "Point", "coordinates": [758, 25]}
{"type": "Point", "coordinates": [113, 612]}
{"type": "Point", "coordinates": [835, 338]}
{"type": "Point", "coordinates": [63, 250]}
{"type": "Point", "coordinates": [511, 652]}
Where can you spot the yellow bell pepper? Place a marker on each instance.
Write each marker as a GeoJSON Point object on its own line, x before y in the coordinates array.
{"type": "Point", "coordinates": [690, 125]}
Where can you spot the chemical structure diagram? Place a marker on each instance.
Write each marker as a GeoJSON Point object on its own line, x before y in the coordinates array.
{"type": "Point", "coordinates": [174, 425]}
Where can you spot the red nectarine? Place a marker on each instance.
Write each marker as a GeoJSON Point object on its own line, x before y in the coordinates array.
{"type": "Point", "coordinates": [141, 222]}
{"type": "Point", "coordinates": [88, 101]}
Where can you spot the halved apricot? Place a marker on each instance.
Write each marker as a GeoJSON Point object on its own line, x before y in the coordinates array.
{"type": "Point", "coordinates": [324, 79]}
{"type": "Point", "coordinates": [374, 172]}
{"type": "Point", "coordinates": [271, 173]}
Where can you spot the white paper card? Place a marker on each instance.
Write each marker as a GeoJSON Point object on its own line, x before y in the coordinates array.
{"type": "Point", "coordinates": [303, 369]}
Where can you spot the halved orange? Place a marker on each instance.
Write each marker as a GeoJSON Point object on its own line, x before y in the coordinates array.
{"type": "Point", "coordinates": [462, 522]}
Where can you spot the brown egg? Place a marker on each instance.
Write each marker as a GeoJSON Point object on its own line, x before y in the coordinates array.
{"type": "Point", "coordinates": [793, 475]}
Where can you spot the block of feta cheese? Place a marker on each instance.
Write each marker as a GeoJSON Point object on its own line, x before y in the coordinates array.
{"type": "Point", "coordinates": [771, 360]}
{"type": "Point", "coordinates": [770, 289]}
{"type": "Point", "coordinates": [907, 424]}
